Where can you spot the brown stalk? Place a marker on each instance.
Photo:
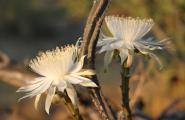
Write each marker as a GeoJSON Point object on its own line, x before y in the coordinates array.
{"type": "Point", "coordinates": [90, 38]}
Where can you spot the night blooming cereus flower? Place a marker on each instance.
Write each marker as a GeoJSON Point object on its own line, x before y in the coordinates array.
{"type": "Point", "coordinates": [59, 69]}
{"type": "Point", "coordinates": [127, 37]}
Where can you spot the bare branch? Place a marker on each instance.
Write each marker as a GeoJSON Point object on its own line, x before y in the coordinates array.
{"type": "Point", "coordinates": [90, 38]}
{"type": "Point", "coordinates": [14, 76]}
{"type": "Point", "coordinates": [165, 112]}
{"type": "Point", "coordinates": [141, 115]}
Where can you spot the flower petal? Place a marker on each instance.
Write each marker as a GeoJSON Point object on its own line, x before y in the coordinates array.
{"type": "Point", "coordinates": [38, 90]}
{"type": "Point", "coordinates": [115, 25]}
{"type": "Point", "coordinates": [72, 94]}
{"type": "Point", "coordinates": [116, 44]}
{"type": "Point", "coordinates": [33, 84]}
{"type": "Point", "coordinates": [108, 58]}
{"type": "Point", "coordinates": [71, 79]}
{"type": "Point", "coordinates": [76, 79]}
{"type": "Point", "coordinates": [123, 53]}
{"type": "Point", "coordinates": [85, 72]}
{"type": "Point", "coordinates": [37, 98]}
{"type": "Point", "coordinates": [105, 48]}
{"type": "Point", "coordinates": [88, 84]}
{"type": "Point", "coordinates": [141, 48]}
{"type": "Point", "coordinates": [157, 59]}
{"type": "Point", "coordinates": [62, 86]}
{"type": "Point", "coordinates": [106, 40]}
{"type": "Point", "coordinates": [50, 95]}
{"type": "Point", "coordinates": [55, 62]}
{"type": "Point", "coordinates": [149, 45]}
{"type": "Point", "coordinates": [78, 66]}
{"type": "Point", "coordinates": [130, 59]}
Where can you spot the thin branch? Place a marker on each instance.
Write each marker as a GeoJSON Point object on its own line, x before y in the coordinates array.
{"type": "Point", "coordinates": [141, 115]}
{"type": "Point", "coordinates": [168, 108]}
{"type": "Point", "coordinates": [90, 38]}
{"type": "Point", "coordinates": [14, 76]}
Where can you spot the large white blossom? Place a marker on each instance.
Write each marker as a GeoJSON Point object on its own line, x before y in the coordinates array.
{"type": "Point", "coordinates": [59, 69]}
{"type": "Point", "coordinates": [127, 37]}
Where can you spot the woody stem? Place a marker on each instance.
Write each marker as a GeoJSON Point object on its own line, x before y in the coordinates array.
{"type": "Point", "coordinates": [125, 91]}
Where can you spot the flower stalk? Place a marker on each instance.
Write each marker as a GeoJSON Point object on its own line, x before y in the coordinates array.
{"type": "Point", "coordinates": [72, 109]}
{"type": "Point", "coordinates": [125, 76]}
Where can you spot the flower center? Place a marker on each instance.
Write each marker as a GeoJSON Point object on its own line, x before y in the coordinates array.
{"type": "Point", "coordinates": [128, 44]}
{"type": "Point", "coordinates": [55, 82]}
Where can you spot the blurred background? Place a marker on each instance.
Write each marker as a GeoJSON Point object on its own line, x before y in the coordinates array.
{"type": "Point", "coordinates": [29, 26]}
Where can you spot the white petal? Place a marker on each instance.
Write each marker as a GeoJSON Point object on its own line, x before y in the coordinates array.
{"type": "Point", "coordinates": [123, 53]}
{"type": "Point", "coordinates": [78, 65]}
{"type": "Point", "coordinates": [33, 84]}
{"type": "Point", "coordinates": [144, 44]}
{"type": "Point", "coordinates": [88, 84]}
{"type": "Point", "coordinates": [115, 26]}
{"type": "Point", "coordinates": [50, 95]}
{"type": "Point", "coordinates": [105, 48]}
{"type": "Point", "coordinates": [151, 42]}
{"type": "Point", "coordinates": [108, 58]}
{"type": "Point", "coordinates": [72, 79]}
{"type": "Point", "coordinates": [157, 59]}
{"type": "Point", "coordinates": [141, 48]}
{"type": "Point", "coordinates": [37, 98]}
{"type": "Point", "coordinates": [75, 79]}
{"type": "Point", "coordinates": [86, 72]}
{"type": "Point", "coordinates": [72, 94]}
{"type": "Point", "coordinates": [55, 62]}
{"type": "Point", "coordinates": [116, 44]}
{"type": "Point", "coordinates": [62, 86]}
{"type": "Point", "coordinates": [38, 90]}
{"type": "Point", "coordinates": [128, 29]}
{"type": "Point", "coordinates": [105, 41]}
{"type": "Point", "coordinates": [130, 59]}
{"type": "Point", "coordinates": [36, 80]}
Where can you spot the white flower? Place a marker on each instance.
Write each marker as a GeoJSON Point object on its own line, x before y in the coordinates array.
{"type": "Point", "coordinates": [127, 37]}
{"type": "Point", "coordinates": [59, 69]}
